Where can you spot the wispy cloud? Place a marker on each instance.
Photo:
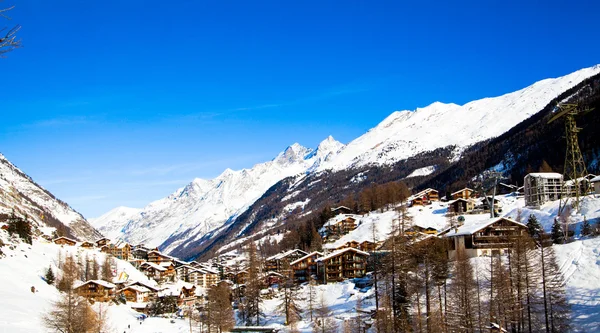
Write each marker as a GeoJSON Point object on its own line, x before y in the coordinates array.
{"type": "Point", "coordinates": [61, 121]}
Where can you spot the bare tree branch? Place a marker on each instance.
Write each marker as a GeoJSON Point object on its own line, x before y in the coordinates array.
{"type": "Point", "coordinates": [8, 37]}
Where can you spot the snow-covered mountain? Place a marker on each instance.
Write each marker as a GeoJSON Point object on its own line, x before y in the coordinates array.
{"type": "Point", "coordinates": [20, 193]}
{"type": "Point", "coordinates": [204, 205]}
{"type": "Point", "coordinates": [406, 133]}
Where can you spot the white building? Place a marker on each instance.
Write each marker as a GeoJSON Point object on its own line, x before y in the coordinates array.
{"type": "Point", "coordinates": [541, 187]}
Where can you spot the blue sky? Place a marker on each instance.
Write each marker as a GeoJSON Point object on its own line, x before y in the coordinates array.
{"type": "Point", "coordinates": [121, 102]}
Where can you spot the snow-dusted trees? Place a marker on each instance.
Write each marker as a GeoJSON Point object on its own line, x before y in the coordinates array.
{"type": "Point", "coordinates": [72, 314]}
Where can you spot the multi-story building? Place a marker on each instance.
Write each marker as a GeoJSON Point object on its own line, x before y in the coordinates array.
{"type": "Point", "coordinates": [541, 187]}
{"type": "Point", "coordinates": [344, 264]}
{"type": "Point", "coordinates": [281, 261]}
{"type": "Point", "coordinates": [306, 266]}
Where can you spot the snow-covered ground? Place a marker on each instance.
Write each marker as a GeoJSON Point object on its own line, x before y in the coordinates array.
{"type": "Point", "coordinates": [23, 266]}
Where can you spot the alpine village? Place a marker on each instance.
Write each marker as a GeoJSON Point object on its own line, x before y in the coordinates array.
{"type": "Point", "coordinates": [481, 217]}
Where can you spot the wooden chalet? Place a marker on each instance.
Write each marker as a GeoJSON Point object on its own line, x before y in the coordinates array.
{"type": "Point", "coordinates": [158, 257]}
{"type": "Point", "coordinates": [281, 261]}
{"type": "Point", "coordinates": [344, 264]}
{"type": "Point", "coordinates": [416, 229]}
{"type": "Point", "coordinates": [135, 293]}
{"type": "Point", "coordinates": [339, 226]}
{"type": "Point", "coordinates": [64, 241]}
{"type": "Point", "coordinates": [424, 197]}
{"type": "Point", "coordinates": [97, 290]}
{"type": "Point", "coordinates": [306, 266]}
{"type": "Point", "coordinates": [341, 210]}
{"type": "Point", "coordinates": [352, 243]}
{"type": "Point", "coordinates": [461, 206]}
{"type": "Point", "coordinates": [483, 238]}
{"type": "Point", "coordinates": [484, 206]}
{"type": "Point", "coordinates": [273, 278]}
{"type": "Point", "coordinates": [87, 245]}
{"type": "Point", "coordinates": [465, 193]}
{"type": "Point", "coordinates": [102, 242]}
{"type": "Point", "coordinates": [161, 272]}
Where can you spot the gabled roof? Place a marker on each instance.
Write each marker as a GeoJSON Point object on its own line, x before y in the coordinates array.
{"type": "Point", "coordinates": [103, 283]}
{"type": "Point", "coordinates": [140, 283]}
{"type": "Point", "coordinates": [461, 199]}
{"type": "Point", "coordinates": [273, 273]}
{"type": "Point", "coordinates": [306, 256]}
{"type": "Point", "coordinates": [340, 207]}
{"type": "Point", "coordinates": [337, 253]}
{"type": "Point", "coordinates": [65, 238]}
{"type": "Point", "coordinates": [595, 179]}
{"type": "Point", "coordinates": [422, 193]}
{"type": "Point", "coordinates": [469, 228]}
{"type": "Point", "coordinates": [153, 265]}
{"type": "Point", "coordinates": [137, 288]}
{"type": "Point", "coordinates": [284, 254]}
{"type": "Point", "coordinates": [466, 188]}
{"type": "Point", "coordinates": [339, 218]}
{"type": "Point", "coordinates": [162, 254]}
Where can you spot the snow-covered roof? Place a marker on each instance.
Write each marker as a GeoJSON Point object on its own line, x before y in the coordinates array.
{"type": "Point", "coordinates": [595, 179]}
{"type": "Point", "coordinates": [337, 253]}
{"type": "Point", "coordinates": [103, 283]}
{"type": "Point", "coordinates": [139, 289]}
{"type": "Point", "coordinates": [273, 273]}
{"type": "Point", "coordinates": [155, 266]}
{"type": "Point", "coordinates": [306, 256]}
{"type": "Point", "coordinates": [285, 254]}
{"type": "Point", "coordinates": [340, 207]}
{"type": "Point", "coordinates": [466, 188]}
{"type": "Point", "coordinates": [461, 199]}
{"type": "Point", "coordinates": [65, 238]}
{"type": "Point", "coordinates": [143, 284]}
{"type": "Point", "coordinates": [548, 175]}
{"type": "Point", "coordinates": [339, 218]}
{"type": "Point", "coordinates": [471, 227]}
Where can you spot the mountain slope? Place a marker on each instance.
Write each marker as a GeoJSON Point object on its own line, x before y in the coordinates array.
{"type": "Point", "coordinates": [406, 133]}
{"type": "Point", "coordinates": [444, 129]}
{"type": "Point", "coordinates": [19, 192]}
{"type": "Point", "coordinates": [204, 205]}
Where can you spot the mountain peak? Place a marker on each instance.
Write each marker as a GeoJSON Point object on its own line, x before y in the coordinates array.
{"type": "Point", "coordinates": [329, 145]}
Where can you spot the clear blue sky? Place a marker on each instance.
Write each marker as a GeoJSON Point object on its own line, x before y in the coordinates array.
{"type": "Point", "coordinates": [121, 102]}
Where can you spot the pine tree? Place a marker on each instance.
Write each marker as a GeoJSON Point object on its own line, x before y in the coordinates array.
{"type": "Point", "coordinates": [533, 226]}
{"type": "Point", "coordinates": [49, 277]}
{"type": "Point", "coordinates": [95, 269]}
{"type": "Point", "coordinates": [557, 234]}
{"type": "Point", "coordinates": [586, 228]}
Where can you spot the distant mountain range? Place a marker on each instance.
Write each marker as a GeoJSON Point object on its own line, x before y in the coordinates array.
{"type": "Point", "coordinates": [21, 195]}
{"type": "Point", "coordinates": [205, 210]}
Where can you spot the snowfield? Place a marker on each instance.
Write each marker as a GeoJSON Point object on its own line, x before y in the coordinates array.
{"type": "Point", "coordinates": [23, 266]}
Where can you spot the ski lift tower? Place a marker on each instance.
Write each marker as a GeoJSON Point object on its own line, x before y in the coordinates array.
{"type": "Point", "coordinates": [574, 169]}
